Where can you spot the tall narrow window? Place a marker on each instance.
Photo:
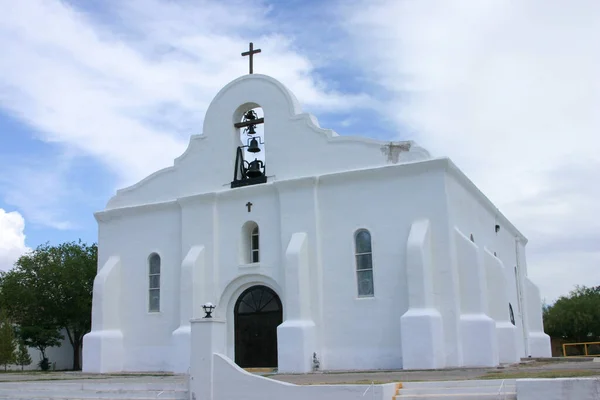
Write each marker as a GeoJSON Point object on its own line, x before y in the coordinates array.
{"type": "Point", "coordinates": [154, 283]}
{"type": "Point", "coordinates": [254, 252]}
{"type": "Point", "coordinates": [364, 263]}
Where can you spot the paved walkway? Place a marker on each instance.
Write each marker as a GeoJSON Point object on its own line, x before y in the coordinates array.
{"type": "Point", "coordinates": [546, 366]}
{"type": "Point", "coordinates": [574, 366]}
{"type": "Point", "coordinates": [74, 376]}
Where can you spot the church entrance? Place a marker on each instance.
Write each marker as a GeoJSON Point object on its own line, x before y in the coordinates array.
{"type": "Point", "coordinates": [257, 313]}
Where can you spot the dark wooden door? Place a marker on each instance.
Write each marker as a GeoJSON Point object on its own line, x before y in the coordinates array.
{"type": "Point", "coordinates": [258, 313]}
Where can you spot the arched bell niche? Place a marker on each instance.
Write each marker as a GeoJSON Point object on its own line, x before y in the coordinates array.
{"type": "Point", "coordinates": [242, 133]}
{"type": "Point", "coordinates": [250, 163]}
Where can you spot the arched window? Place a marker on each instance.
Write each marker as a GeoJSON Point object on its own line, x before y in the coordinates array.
{"type": "Point", "coordinates": [250, 250]}
{"type": "Point", "coordinates": [254, 251]}
{"type": "Point", "coordinates": [154, 283]}
{"type": "Point", "coordinates": [364, 263]}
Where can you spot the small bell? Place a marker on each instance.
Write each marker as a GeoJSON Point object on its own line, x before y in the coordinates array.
{"type": "Point", "coordinates": [253, 147]}
{"type": "Point", "coordinates": [251, 130]}
{"type": "Point", "coordinates": [253, 170]}
{"type": "Point", "coordinates": [250, 115]}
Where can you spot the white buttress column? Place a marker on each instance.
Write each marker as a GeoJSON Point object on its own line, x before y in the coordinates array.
{"type": "Point", "coordinates": [103, 346]}
{"type": "Point", "coordinates": [296, 340]}
{"type": "Point", "coordinates": [421, 328]}
{"type": "Point", "coordinates": [190, 288]}
{"type": "Point", "coordinates": [539, 341]}
{"type": "Point", "coordinates": [497, 291]}
{"type": "Point", "coordinates": [477, 329]}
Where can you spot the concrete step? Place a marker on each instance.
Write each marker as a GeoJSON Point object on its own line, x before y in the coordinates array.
{"type": "Point", "coordinates": [96, 386]}
{"type": "Point", "coordinates": [456, 390]}
{"type": "Point", "coordinates": [459, 396]}
{"type": "Point", "coordinates": [468, 383]}
{"type": "Point", "coordinates": [491, 389]}
{"type": "Point", "coordinates": [94, 390]}
{"type": "Point", "coordinates": [76, 396]}
{"type": "Point", "coordinates": [58, 393]}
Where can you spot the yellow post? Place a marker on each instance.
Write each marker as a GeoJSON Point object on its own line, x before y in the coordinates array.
{"type": "Point", "coordinates": [564, 350]}
{"type": "Point", "coordinates": [585, 346]}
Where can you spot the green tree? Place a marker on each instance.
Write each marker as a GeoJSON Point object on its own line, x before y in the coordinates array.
{"type": "Point", "coordinates": [575, 317]}
{"type": "Point", "coordinates": [7, 341]}
{"type": "Point", "coordinates": [22, 357]}
{"type": "Point", "coordinates": [50, 290]}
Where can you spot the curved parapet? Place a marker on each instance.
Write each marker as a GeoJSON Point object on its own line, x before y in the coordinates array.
{"type": "Point", "coordinates": [295, 146]}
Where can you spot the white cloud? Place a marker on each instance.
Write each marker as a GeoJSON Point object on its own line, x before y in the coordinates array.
{"type": "Point", "coordinates": [511, 92]}
{"type": "Point", "coordinates": [12, 238]}
{"type": "Point", "coordinates": [128, 83]}
{"type": "Point", "coordinates": [131, 95]}
{"type": "Point", "coordinates": [41, 189]}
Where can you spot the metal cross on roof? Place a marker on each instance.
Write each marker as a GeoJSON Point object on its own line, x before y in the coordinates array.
{"type": "Point", "coordinates": [251, 53]}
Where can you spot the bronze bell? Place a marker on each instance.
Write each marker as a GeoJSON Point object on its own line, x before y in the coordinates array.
{"type": "Point", "coordinates": [251, 130]}
{"type": "Point", "coordinates": [250, 115]}
{"type": "Point", "coordinates": [253, 147]}
{"type": "Point", "coordinates": [254, 169]}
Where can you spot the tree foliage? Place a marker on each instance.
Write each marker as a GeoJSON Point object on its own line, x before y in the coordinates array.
{"type": "Point", "coordinates": [7, 341]}
{"type": "Point", "coordinates": [575, 317]}
{"type": "Point", "coordinates": [50, 289]}
{"type": "Point", "coordinates": [22, 357]}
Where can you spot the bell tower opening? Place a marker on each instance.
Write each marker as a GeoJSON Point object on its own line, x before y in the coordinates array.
{"type": "Point", "coordinates": [250, 167]}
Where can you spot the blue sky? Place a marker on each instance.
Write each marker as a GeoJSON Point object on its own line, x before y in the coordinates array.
{"type": "Point", "coordinates": [96, 95]}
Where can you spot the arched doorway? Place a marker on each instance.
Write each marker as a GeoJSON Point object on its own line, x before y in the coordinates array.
{"type": "Point", "coordinates": [257, 313]}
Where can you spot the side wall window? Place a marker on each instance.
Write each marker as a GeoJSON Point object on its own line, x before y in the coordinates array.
{"type": "Point", "coordinates": [154, 283]}
{"type": "Point", "coordinates": [364, 263]}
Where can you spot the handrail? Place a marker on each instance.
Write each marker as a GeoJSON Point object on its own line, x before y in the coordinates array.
{"type": "Point", "coordinates": [585, 347]}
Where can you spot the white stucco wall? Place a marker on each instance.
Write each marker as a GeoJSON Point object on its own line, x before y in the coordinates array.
{"type": "Point", "coordinates": [365, 332]}
{"type": "Point", "coordinates": [315, 195]}
{"type": "Point", "coordinates": [230, 382]}
{"type": "Point", "coordinates": [473, 214]}
{"type": "Point", "coordinates": [146, 335]}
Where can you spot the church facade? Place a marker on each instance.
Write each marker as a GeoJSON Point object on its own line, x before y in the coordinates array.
{"type": "Point", "coordinates": [334, 252]}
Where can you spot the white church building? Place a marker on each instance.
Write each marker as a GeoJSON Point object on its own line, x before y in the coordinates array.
{"type": "Point", "coordinates": [355, 255]}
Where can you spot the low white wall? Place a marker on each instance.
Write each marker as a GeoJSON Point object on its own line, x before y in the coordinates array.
{"type": "Point", "coordinates": [232, 382]}
{"type": "Point", "coordinates": [558, 389]}
{"type": "Point", "coordinates": [61, 358]}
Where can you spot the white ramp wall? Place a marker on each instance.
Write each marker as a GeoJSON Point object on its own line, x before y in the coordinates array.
{"type": "Point", "coordinates": [231, 382]}
{"type": "Point", "coordinates": [558, 389]}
